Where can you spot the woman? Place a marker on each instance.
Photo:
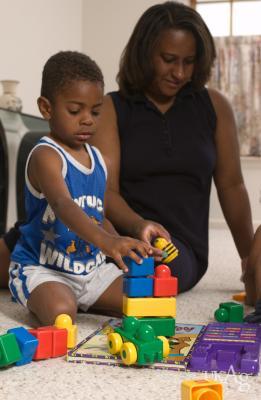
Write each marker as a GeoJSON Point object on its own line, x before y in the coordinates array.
{"type": "Point", "coordinates": [165, 136]}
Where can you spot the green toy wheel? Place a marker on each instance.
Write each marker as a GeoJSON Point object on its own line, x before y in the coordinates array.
{"type": "Point", "coordinates": [114, 342]}
{"type": "Point", "coordinates": [128, 353]}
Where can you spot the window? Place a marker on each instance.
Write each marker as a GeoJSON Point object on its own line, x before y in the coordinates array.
{"type": "Point", "coordinates": [231, 17]}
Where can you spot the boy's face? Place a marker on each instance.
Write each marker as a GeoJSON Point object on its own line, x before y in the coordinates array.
{"type": "Point", "coordinates": [75, 111]}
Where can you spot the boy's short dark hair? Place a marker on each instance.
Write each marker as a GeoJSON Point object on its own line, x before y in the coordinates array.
{"type": "Point", "coordinates": [65, 67]}
{"type": "Point", "coordinates": [136, 69]}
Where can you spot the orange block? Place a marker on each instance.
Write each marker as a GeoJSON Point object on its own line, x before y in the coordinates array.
{"type": "Point", "coordinates": [241, 296]}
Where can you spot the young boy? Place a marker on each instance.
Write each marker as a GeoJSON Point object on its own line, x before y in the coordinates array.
{"type": "Point", "coordinates": [58, 265]}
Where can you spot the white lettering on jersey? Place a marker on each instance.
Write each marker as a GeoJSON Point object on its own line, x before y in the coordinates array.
{"type": "Point", "coordinates": [50, 256]}
{"type": "Point", "coordinates": [90, 201]}
{"type": "Point", "coordinates": [49, 215]}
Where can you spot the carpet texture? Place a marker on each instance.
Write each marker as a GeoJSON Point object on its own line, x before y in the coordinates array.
{"type": "Point", "coordinates": [57, 379]}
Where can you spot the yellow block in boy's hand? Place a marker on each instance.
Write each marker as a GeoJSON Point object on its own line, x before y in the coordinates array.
{"type": "Point", "coordinates": [149, 306]}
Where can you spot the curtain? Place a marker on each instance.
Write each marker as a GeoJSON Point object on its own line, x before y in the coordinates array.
{"type": "Point", "coordinates": [237, 74]}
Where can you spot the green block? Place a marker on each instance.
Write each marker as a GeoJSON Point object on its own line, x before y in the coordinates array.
{"type": "Point", "coordinates": [161, 326]}
{"type": "Point", "coordinates": [229, 312]}
{"type": "Point", "coordinates": [149, 348]}
{"type": "Point", "coordinates": [9, 350]}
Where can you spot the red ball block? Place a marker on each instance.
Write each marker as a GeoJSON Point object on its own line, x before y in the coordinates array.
{"type": "Point", "coordinates": [165, 285]}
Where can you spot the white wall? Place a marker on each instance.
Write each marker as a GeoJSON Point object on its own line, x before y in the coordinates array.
{"type": "Point", "coordinates": [107, 26]}
{"type": "Point", "coordinates": [31, 31]}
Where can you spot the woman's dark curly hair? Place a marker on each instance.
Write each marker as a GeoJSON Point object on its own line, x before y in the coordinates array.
{"type": "Point", "coordinates": [65, 67]}
{"type": "Point", "coordinates": [136, 70]}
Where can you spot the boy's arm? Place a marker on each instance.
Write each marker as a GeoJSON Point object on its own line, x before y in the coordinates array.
{"type": "Point", "coordinates": [45, 174]}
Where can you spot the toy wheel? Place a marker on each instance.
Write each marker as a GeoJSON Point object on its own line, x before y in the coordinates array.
{"type": "Point", "coordinates": [165, 346]}
{"type": "Point", "coordinates": [114, 342]}
{"type": "Point", "coordinates": [128, 353]}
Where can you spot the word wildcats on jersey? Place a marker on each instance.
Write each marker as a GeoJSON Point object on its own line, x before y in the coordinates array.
{"type": "Point", "coordinates": [51, 256]}
{"type": "Point", "coordinates": [62, 250]}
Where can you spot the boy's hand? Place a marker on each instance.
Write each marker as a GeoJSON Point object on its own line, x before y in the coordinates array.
{"type": "Point", "coordinates": [118, 247]}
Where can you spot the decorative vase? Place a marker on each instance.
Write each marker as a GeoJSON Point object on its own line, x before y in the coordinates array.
{"type": "Point", "coordinates": [8, 99]}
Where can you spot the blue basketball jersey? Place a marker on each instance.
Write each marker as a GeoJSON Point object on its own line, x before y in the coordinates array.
{"type": "Point", "coordinates": [45, 240]}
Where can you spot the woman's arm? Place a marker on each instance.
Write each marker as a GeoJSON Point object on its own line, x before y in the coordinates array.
{"type": "Point", "coordinates": [228, 177]}
{"type": "Point", "coordinates": [117, 210]}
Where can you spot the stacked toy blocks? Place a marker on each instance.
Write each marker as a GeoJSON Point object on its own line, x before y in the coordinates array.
{"type": "Point", "coordinates": [149, 309]}
{"type": "Point", "coordinates": [20, 346]}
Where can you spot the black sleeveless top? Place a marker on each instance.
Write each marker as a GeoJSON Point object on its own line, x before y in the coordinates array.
{"type": "Point", "coordinates": [167, 163]}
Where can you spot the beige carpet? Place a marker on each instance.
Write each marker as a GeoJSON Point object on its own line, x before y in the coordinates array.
{"type": "Point", "coordinates": [57, 379]}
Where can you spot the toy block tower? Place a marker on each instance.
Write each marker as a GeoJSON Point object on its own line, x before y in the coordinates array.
{"type": "Point", "coordinates": [149, 295]}
{"type": "Point", "coordinates": [149, 308]}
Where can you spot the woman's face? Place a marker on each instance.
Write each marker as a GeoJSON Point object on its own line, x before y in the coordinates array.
{"type": "Point", "coordinates": [173, 60]}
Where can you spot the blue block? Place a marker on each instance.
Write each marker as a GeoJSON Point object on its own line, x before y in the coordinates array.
{"type": "Point", "coordinates": [138, 287]}
{"type": "Point", "coordinates": [27, 344]}
{"type": "Point", "coordinates": [144, 269]}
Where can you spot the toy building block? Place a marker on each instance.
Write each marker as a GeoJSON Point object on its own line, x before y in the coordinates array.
{"type": "Point", "coordinates": [45, 338]}
{"type": "Point", "coordinates": [27, 344]}
{"type": "Point", "coordinates": [201, 390]}
{"type": "Point", "coordinates": [229, 312]}
{"type": "Point", "coordinates": [161, 326]}
{"type": "Point", "coordinates": [144, 269]}
{"type": "Point", "coordinates": [52, 342]}
{"type": "Point", "coordinates": [59, 340]}
{"type": "Point", "coordinates": [64, 321]}
{"type": "Point", "coordinates": [9, 350]}
{"type": "Point", "coordinates": [170, 252]}
{"type": "Point", "coordinates": [225, 347]}
{"type": "Point", "coordinates": [138, 287]}
{"type": "Point", "coordinates": [164, 284]}
{"type": "Point", "coordinates": [241, 296]}
{"type": "Point", "coordinates": [149, 306]}
{"type": "Point", "coordinates": [137, 343]}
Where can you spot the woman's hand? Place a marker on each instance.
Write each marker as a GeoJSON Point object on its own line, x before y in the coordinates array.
{"type": "Point", "coordinates": [118, 247]}
{"type": "Point", "coordinates": [147, 231]}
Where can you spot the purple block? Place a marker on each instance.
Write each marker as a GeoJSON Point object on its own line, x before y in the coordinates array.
{"type": "Point", "coordinates": [228, 347]}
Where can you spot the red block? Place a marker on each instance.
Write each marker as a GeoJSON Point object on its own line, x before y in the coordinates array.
{"type": "Point", "coordinates": [52, 342]}
{"type": "Point", "coordinates": [59, 345]}
{"type": "Point", "coordinates": [44, 349]}
{"type": "Point", "coordinates": [164, 284]}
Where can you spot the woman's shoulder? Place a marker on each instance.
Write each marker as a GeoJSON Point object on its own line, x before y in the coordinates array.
{"type": "Point", "coordinates": [219, 101]}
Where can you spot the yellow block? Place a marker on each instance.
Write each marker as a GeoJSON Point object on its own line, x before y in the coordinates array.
{"type": "Point", "coordinates": [149, 306]}
{"type": "Point", "coordinates": [65, 321]}
{"type": "Point", "coordinates": [201, 389]}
